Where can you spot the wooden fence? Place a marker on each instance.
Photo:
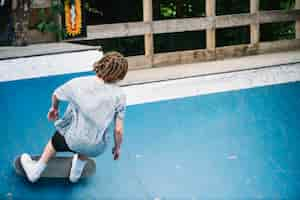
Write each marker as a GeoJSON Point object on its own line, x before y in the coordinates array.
{"type": "Point", "coordinates": [148, 27]}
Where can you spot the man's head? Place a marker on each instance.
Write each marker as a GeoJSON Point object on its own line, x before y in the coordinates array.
{"type": "Point", "coordinates": [112, 67]}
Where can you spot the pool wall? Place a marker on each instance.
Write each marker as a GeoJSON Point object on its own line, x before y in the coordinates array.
{"type": "Point", "coordinates": [47, 65]}
{"type": "Point", "coordinates": [231, 135]}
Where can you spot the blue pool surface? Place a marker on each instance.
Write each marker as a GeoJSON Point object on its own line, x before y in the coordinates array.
{"type": "Point", "coordinates": [233, 145]}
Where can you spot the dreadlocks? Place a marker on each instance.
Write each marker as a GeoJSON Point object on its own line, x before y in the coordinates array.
{"type": "Point", "coordinates": [112, 67]}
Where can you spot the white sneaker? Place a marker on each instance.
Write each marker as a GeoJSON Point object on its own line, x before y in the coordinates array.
{"type": "Point", "coordinates": [31, 168]}
{"type": "Point", "coordinates": [76, 169]}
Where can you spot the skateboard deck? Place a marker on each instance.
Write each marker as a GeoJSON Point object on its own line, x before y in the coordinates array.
{"type": "Point", "coordinates": [58, 167]}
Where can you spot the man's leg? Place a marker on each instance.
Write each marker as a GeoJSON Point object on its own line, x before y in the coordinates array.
{"type": "Point", "coordinates": [34, 169]}
{"type": "Point", "coordinates": [48, 153]}
{"type": "Point", "coordinates": [78, 163]}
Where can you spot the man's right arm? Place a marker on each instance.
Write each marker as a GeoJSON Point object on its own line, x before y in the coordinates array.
{"type": "Point", "coordinates": [53, 111]}
{"type": "Point", "coordinates": [118, 136]}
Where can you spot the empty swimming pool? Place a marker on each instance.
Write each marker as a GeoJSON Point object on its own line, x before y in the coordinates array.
{"type": "Point", "coordinates": [224, 136]}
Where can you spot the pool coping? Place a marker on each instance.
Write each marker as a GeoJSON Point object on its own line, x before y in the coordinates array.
{"type": "Point", "coordinates": [145, 76]}
{"type": "Point", "coordinates": [11, 52]}
{"type": "Point", "coordinates": [48, 65]}
{"type": "Point", "coordinates": [81, 61]}
{"type": "Point", "coordinates": [180, 81]}
{"type": "Point", "coordinates": [210, 84]}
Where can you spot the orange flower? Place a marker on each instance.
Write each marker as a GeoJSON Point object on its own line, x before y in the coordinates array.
{"type": "Point", "coordinates": [76, 29]}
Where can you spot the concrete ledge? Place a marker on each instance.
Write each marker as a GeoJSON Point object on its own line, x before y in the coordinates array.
{"type": "Point", "coordinates": [211, 67]}
{"type": "Point", "coordinates": [74, 62]}
{"type": "Point", "coordinates": [47, 65]}
{"type": "Point", "coordinates": [11, 52]}
{"type": "Point", "coordinates": [214, 83]}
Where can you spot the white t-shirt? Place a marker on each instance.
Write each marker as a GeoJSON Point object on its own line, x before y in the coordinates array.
{"type": "Point", "coordinates": [93, 106]}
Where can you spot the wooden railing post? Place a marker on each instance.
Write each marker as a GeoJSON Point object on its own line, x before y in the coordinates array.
{"type": "Point", "coordinates": [297, 6]}
{"type": "Point", "coordinates": [148, 38]}
{"type": "Point", "coordinates": [210, 33]}
{"type": "Point", "coordinates": [254, 28]}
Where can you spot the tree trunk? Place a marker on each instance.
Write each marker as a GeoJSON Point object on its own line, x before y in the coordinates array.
{"type": "Point", "coordinates": [21, 13]}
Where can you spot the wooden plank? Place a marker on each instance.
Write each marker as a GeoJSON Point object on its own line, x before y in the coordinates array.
{"type": "Point", "coordinates": [297, 28]}
{"type": "Point", "coordinates": [138, 62]}
{"type": "Point", "coordinates": [235, 51]}
{"type": "Point", "coordinates": [277, 46]}
{"type": "Point", "coordinates": [181, 25]}
{"type": "Point", "coordinates": [254, 6]}
{"type": "Point", "coordinates": [118, 30]}
{"type": "Point", "coordinates": [254, 34]}
{"type": "Point", "coordinates": [210, 7]}
{"type": "Point", "coordinates": [147, 10]}
{"type": "Point", "coordinates": [254, 26]}
{"type": "Point", "coordinates": [41, 4]}
{"type": "Point", "coordinates": [210, 10]}
{"type": "Point", "coordinates": [278, 16]}
{"type": "Point", "coordinates": [191, 24]}
{"type": "Point", "coordinates": [183, 57]}
{"type": "Point", "coordinates": [225, 21]}
{"type": "Point", "coordinates": [148, 37]}
{"type": "Point", "coordinates": [141, 28]}
{"type": "Point", "coordinates": [210, 39]}
{"type": "Point", "coordinates": [148, 40]}
{"type": "Point", "coordinates": [191, 56]}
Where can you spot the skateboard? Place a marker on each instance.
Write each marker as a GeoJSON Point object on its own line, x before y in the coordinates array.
{"type": "Point", "coordinates": [57, 167]}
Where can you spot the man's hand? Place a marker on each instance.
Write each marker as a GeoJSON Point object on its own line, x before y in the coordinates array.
{"type": "Point", "coordinates": [53, 111]}
{"type": "Point", "coordinates": [116, 153]}
{"type": "Point", "coordinates": [53, 114]}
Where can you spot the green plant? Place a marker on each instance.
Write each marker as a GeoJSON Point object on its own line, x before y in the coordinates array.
{"type": "Point", "coordinates": [48, 22]}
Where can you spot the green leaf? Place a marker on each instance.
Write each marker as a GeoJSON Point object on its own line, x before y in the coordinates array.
{"type": "Point", "coordinates": [52, 27]}
{"type": "Point", "coordinates": [41, 26]}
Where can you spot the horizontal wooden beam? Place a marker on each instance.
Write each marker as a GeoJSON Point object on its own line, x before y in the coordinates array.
{"type": "Point", "coordinates": [181, 25]}
{"type": "Point", "coordinates": [278, 16]}
{"type": "Point", "coordinates": [200, 55]}
{"type": "Point", "coordinates": [138, 62]}
{"type": "Point", "coordinates": [235, 51]}
{"type": "Point", "coordinates": [183, 57]}
{"type": "Point", "coordinates": [118, 30]}
{"type": "Point", "coordinates": [226, 21]}
{"type": "Point", "coordinates": [41, 4]}
{"type": "Point", "coordinates": [277, 46]}
{"type": "Point", "coordinates": [189, 24]}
